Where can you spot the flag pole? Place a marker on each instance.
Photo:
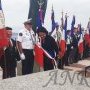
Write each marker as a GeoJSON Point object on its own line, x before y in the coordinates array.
{"type": "Point", "coordinates": [2, 26]}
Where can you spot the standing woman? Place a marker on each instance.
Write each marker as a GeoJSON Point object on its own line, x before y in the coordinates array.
{"type": "Point", "coordinates": [49, 45]}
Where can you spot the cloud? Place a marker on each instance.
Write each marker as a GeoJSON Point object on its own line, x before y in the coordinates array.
{"type": "Point", "coordinates": [16, 11]}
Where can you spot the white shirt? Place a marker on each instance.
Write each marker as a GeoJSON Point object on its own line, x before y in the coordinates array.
{"type": "Point", "coordinates": [68, 39]}
{"type": "Point", "coordinates": [57, 35]}
{"type": "Point", "coordinates": [27, 39]}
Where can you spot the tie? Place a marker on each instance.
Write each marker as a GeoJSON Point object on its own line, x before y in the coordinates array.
{"type": "Point", "coordinates": [10, 43]}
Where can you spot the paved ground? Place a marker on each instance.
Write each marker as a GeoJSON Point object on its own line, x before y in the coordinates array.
{"type": "Point", "coordinates": [80, 66]}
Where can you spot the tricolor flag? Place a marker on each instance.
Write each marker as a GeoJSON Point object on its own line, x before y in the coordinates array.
{"type": "Point", "coordinates": [2, 19]}
{"type": "Point", "coordinates": [62, 44]}
{"type": "Point", "coordinates": [3, 33]}
{"type": "Point", "coordinates": [88, 32]}
{"type": "Point", "coordinates": [39, 54]}
{"type": "Point", "coordinates": [87, 38]}
{"type": "Point", "coordinates": [80, 43]}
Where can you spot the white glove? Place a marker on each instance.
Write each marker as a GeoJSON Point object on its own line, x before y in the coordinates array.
{"type": "Point", "coordinates": [22, 56]}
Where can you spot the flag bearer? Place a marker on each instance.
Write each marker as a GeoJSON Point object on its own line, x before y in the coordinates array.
{"type": "Point", "coordinates": [8, 59]}
{"type": "Point", "coordinates": [50, 46]}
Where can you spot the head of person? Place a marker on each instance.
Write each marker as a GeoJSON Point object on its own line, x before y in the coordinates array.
{"type": "Point", "coordinates": [9, 32]}
{"type": "Point", "coordinates": [68, 32]}
{"type": "Point", "coordinates": [42, 32]}
{"type": "Point", "coordinates": [75, 30]}
{"type": "Point", "coordinates": [28, 24]}
{"type": "Point", "coordinates": [57, 26]}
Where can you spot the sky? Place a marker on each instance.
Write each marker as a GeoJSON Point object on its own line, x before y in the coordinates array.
{"type": "Point", "coordinates": [16, 12]}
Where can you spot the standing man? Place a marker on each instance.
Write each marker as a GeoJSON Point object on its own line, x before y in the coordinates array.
{"type": "Point", "coordinates": [25, 43]}
{"type": "Point", "coordinates": [50, 46]}
{"type": "Point", "coordinates": [75, 40]}
{"type": "Point", "coordinates": [69, 47]}
{"type": "Point", "coordinates": [56, 34]}
{"type": "Point", "coordinates": [8, 59]}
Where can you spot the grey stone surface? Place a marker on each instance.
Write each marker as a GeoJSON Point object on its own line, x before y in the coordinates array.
{"type": "Point", "coordinates": [39, 81]}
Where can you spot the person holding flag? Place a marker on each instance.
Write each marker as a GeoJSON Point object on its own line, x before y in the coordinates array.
{"type": "Point", "coordinates": [3, 32]}
{"type": "Point", "coordinates": [49, 48]}
{"type": "Point", "coordinates": [62, 44]}
{"type": "Point", "coordinates": [10, 56]}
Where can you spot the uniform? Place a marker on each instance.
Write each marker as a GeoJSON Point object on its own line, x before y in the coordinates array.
{"type": "Point", "coordinates": [75, 39]}
{"type": "Point", "coordinates": [68, 43]}
{"type": "Point", "coordinates": [8, 60]}
{"type": "Point", "coordinates": [27, 40]}
{"type": "Point", "coordinates": [56, 35]}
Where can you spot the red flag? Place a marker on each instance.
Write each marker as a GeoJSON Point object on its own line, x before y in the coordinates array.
{"type": "Point", "coordinates": [87, 39]}
{"type": "Point", "coordinates": [3, 38]}
{"type": "Point", "coordinates": [80, 45]}
{"type": "Point", "coordinates": [3, 33]}
{"type": "Point", "coordinates": [62, 44]}
{"type": "Point", "coordinates": [38, 54]}
{"type": "Point", "coordinates": [1, 52]}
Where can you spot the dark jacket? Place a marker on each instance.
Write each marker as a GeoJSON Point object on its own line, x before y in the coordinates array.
{"type": "Point", "coordinates": [50, 46]}
{"type": "Point", "coordinates": [10, 56]}
{"type": "Point", "coordinates": [75, 41]}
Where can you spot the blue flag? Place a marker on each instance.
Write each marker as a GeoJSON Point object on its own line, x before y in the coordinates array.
{"type": "Point", "coordinates": [39, 20]}
{"type": "Point", "coordinates": [80, 29]}
{"type": "Point", "coordinates": [65, 27]}
{"type": "Point", "coordinates": [53, 20]}
{"type": "Point", "coordinates": [72, 25]}
{"type": "Point", "coordinates": [0, 5]}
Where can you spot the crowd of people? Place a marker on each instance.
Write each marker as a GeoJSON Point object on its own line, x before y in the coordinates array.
{"type": "Point", "coordinates": [23, 49]}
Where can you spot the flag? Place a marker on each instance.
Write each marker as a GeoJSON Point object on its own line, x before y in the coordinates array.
{"type": "Point", "coordinates": [62, 45]}
{"type": "Point", "coordinates": [38, 57]}
{"type": "Point", "coordinates": [2, 19]}
{"type": "Point", "coordinates": [62, 21]}
{"type": "Point", "coordinates": [39, 54]}
{"type": "Point", "coordinates": [3, 32]}
{"type": "Point", "coordinates": [72, 25]}
{"type": "Point", "coordinates": [80, 43]}
{"type": "Point", "coordinates": [62, 42]}
{"type": "Point", "coordinates": [33, 11]}
{"type": "Point", "coordinates": [87, 35]}
{"type": "Point", "coordinates": [39, 20]}
{"type": "Point", "coordinates": [65, 26]}
{"type": "Point", "coordinates": [88, 26]}
{"type": "Point", "coordinates": [53, 20]}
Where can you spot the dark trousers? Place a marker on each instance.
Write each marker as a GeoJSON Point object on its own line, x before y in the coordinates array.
{"type": "Point", "coordinates": [86, 51]}
{"type": "Point", "coordinates": [67, 55]}
{"type": "Point", "coordinates": [28, 63]}
{"type": "Point", "coordinates": [75, 55]}
{"type": "Point", "coordinates": [62, 62]}
{"type": "Point", "coordinates": [48, 64]}
{"type": "Point", "coordinates": [9, 72]}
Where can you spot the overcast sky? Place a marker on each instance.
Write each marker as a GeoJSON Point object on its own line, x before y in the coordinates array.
{"type": "Point", "coordinates": [16, 12]}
